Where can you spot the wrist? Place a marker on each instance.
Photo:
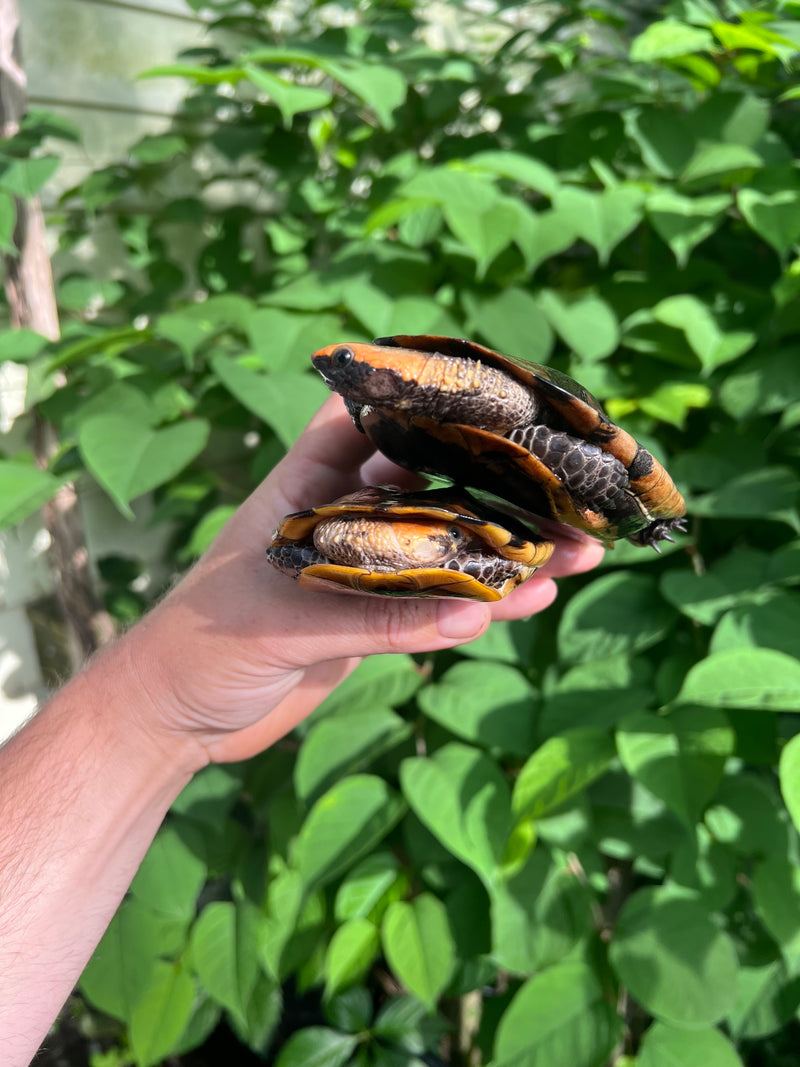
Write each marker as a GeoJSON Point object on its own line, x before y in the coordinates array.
{"type": "Point", "coordinates": [133, 707]}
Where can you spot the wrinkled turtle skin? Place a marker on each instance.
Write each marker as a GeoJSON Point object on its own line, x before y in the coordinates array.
{"type": "Point", "coordinates": [524, 432]}
{"type": "Point", "coordinates": [430, 544]}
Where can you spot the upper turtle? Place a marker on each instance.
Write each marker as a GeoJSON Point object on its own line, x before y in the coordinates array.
{"type": "Point", "coordinates": [522, 431]}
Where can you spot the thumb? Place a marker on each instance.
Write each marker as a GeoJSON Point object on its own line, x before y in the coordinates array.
{"type": "Point", "coordinates": [461, 621]}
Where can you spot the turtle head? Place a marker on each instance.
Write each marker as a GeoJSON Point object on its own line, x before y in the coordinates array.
{"type": "Point", "coordinates": [366, 374]}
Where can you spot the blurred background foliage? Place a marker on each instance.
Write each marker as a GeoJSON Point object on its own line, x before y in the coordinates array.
{"type": "Point", "coordinates": [573, 842]}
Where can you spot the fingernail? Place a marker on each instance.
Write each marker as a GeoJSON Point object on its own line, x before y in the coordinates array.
{"type": "Point", "coordinates": [461, 621]}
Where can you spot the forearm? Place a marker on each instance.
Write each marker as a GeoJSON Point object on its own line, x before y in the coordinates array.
{"type": "Point", "coordinates": [83, 795]}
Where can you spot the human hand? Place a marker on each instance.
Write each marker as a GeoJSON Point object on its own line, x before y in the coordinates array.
{"type": "Point", "coordinates": [238, 653]}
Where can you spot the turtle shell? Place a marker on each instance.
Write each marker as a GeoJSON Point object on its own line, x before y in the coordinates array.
{"type": "Point", "coordinates": [522, 431]}
{"type": "Point", "coordinates": [382, 541]}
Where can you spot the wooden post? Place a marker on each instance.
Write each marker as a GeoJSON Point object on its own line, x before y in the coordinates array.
{"type": "Point", "coordinates": [31, 299]}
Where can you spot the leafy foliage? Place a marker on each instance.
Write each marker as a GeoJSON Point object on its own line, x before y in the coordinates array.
{"type": "Point", "coordinates": [593, 817]}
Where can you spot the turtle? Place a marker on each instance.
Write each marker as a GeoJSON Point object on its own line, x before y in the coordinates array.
{"type": "Point", "coordinates": [383, 541]}
{"type": "Point", "coordinates": [521, 431]}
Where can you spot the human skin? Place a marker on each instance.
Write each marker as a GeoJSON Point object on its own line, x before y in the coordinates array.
{"type": "Point", "coordinates": [234, 657]}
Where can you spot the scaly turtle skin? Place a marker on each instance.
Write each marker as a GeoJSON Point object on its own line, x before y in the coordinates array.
{"type": "Point", "coordinates": [525, 432]}
{"type": "Point", "coordinates": [431, 544]}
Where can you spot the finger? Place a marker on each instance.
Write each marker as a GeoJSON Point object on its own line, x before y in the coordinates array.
{"type": "Point", "coordinates": [572, 556]}
{"type": "Point", "coordinates": [534, 596]}
{"type": "Point", "coordinates": [378, 470]}
{"type": "Point", "coordinates": [325, 460]}
{"type": "Point", "coordinates": [317, 625]}
{"type": "Point", "coordinates": [322, 465]}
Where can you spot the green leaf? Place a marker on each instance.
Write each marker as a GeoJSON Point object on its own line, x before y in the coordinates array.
{"type": "Point", "coordinates": [8, 222]}
{"type": "Point", "coordinates": [616, 614]}
{"type": "Point", "coordinates": [128, 458]}
{"type": "Point", "coordinates": [119, 973]}
{"type": "Point", "coordinates": [597, 693]}
{"type": "Point", "coordinates": [511, 322]}
{"type": "Point", "coordinates": [282, 919]}
{"type": "Point", "coordinates": [161, 1015]}
{"type": "Point", "coordinates": [478, 216]}
{"type": "Point", "coordinates": [381, 87]}
{"type": "Point", "coordinates": [25, 177]}
{"type": "Point", "coordinates": [21, 345]}
{"type": "Point", "coordinates": [672, 401]}
{"type": "Point", "coordinates": [350, 954]}
{"type": "Point", "coordinates": [261, 1018]}
{"type": "Point", "coordinates": [747, 814]}
{"type": "Point", "coordinates": [602, 219]}
{"type": "Point", "coordinates": [761, 384]}
{"type": "Point", "coordinates": [462, 797]}
{"type": "Point", "coordinates": [531, 173]}
{"type": "Point", "coordinates": [734, 36]}
{"type": "Point", "coordinates": [194, 326]}
{"type": "Point", "coordinates": [683, 222]}
{"type": "Point", "coordinates": [561, 767]}
{"type": "Point", "coordinates": [201, 75]}
{"type": "Point", "coordinates": [419, 945]}
{"type": "Point", "coordinates": [158, 148]}
{"type": "Point", "coordinates": [775, 217]}
{"type": "Point", "coordinates": [171, 875]}
{"type": "Point", "coordinates": [351, 1011]}
{"type": "Point", "coordinates": [539, 914]}
{"type": "Point", "coordinates": [680, 757]}
{"type": "Point", "coordinates": [290, 99]}
{"type": "Point", "coordinates": [770, 492]}
{"type": "Point", "coordinates": [767, 999]}
{"type": "Point", "coordinates": [285, 400]}
{"type": "Point", "coordinates": [712, 345]}
{"type": "Point", "coordinates": [666, 1046]}
{"type": "Point", "coordinates": [664, 137]}
{"type": "Point", "coordinates": [744, 678]}
{"type": "Point", "coordinates": [23, 490]}
{"type": "Point", "coordinates": [316, 1046]}
{"type": "Point", "coordinates": [790, 778]}
{"type": "Point", "coordinates": [543, 234]}
{"type": "Point", "coordinates": [668, 39]}
{"type": "Point", "coordinates": [559, 1018]}
{"type": "Point", "coordinates": [489, 703]}
{"type": "Point", "coordinates": [285, 339]}
{"type": "Point", "coordinates": [485, 234]}
{"type": "Point", "coordinates": [207, 529]}
{"type": "Point", "coordinates": [224, 953]}
{"type": "Point", "coordinates": [343, 825]}
{"type": "Point", "coordinates": [769, 625]}
{"type": "Point", "coordinates": [586, 324]}
{"type": "Point", "coordinates": [342, 744]}
{"type": "Point", "coordinates": [706, 868]}
{"type": "Point", "coordinates": [714, 162]}
{"type": "Point", "coordinates": [673, 959]}
{"type": "Point", "coordinates": [368, 885]}
{"type": "Point", "coordinates": [379, 680]}
{"type": "Point", "coordinates": [776, 895]}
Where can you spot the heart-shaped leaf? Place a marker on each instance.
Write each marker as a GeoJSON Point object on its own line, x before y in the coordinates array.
{"type": "Point", "coordinates": [775, 217]}
{"type": "Point", "coordinates": [129, 458]}
{"type": "Point", "coordinates": [684, 221]}
{"type": "Point", "coordinates": [680, 757]}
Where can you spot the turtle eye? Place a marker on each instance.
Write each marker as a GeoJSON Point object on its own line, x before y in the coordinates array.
{"type": "Point", "coordinates": [342, 356]}
{"type": "Point", "coordinates": [455, 533]}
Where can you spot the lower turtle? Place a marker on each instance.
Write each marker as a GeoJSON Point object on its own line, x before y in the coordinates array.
{"type": "Point", "coordinates": [380, 540]}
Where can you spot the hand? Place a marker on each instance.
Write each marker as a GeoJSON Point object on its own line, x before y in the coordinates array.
{"type": "Point", "coordinates": [238, 653]}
